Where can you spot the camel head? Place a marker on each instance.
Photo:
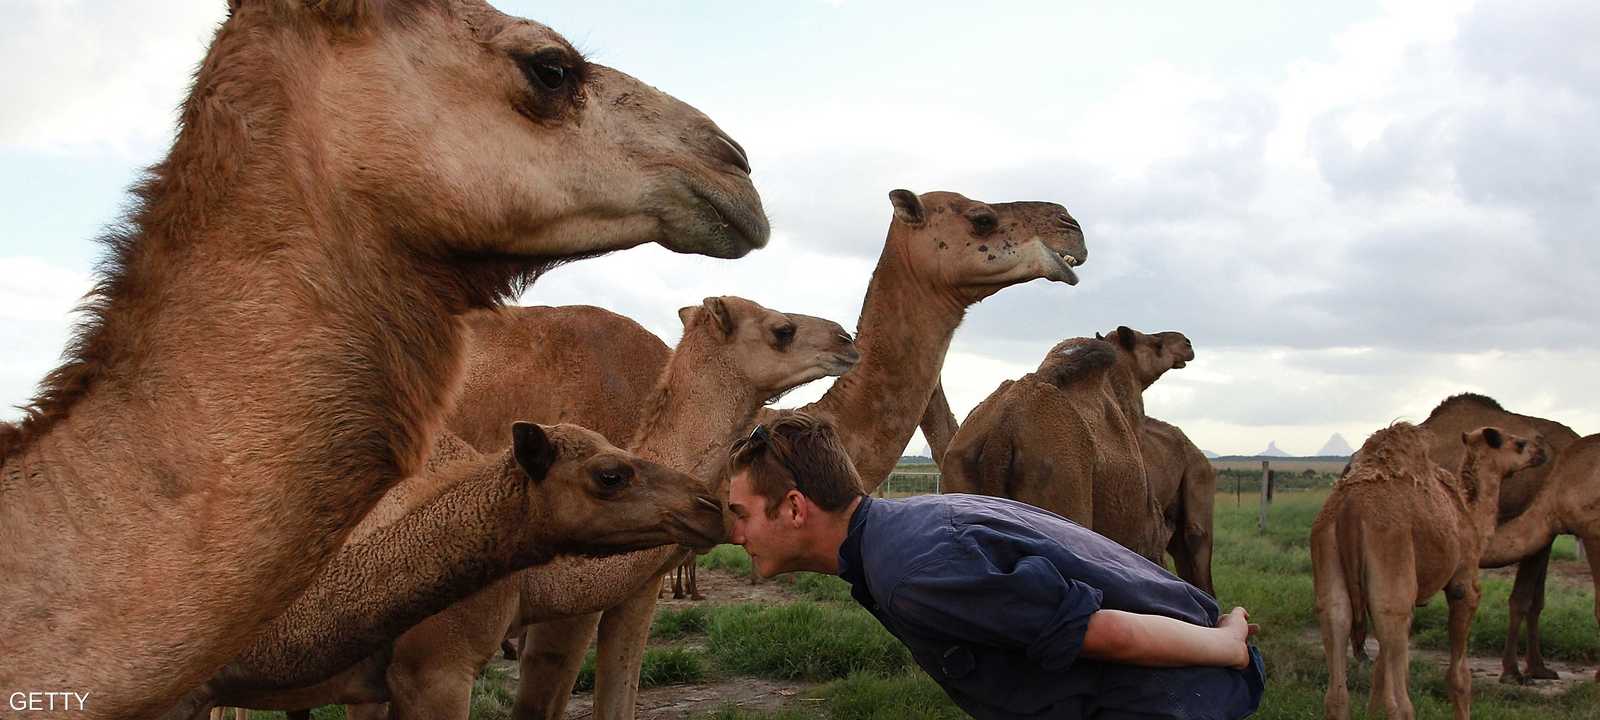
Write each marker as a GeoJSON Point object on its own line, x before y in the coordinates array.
{"type": "Point", "coordinates": [595, 499]}
{"type": "Point", "coordinates": [1151, 355]}
{"type": "Point", "coordinates": [774, 351]}
{"type": "Point", "coordinates": [977, 248]}
{"type": "Point", "coordinates": [1502, 453]}
{"type": "Point", "coordinates": [476, 137]}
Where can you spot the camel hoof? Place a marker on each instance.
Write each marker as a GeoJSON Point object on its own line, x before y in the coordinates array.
{"type": "Point", "coordinates": [1513, 678]}
{"type": "Point", "coordinates": [1542, 673]}
{"type": "Point", "coordinates": [508, 650]}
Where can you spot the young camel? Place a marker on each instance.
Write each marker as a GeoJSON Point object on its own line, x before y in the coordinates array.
{"type": "Point", "coordinates": [944, 252]}
{"type": "Point", "coordinates": [734, 355]}
{"type": "Point", "coordinates": [1397, 529]}
{"type": "Point", "coordinates": [1458, 414]}
{"type": "Point", "coordinates": [466, 522]}
{"type": "Point", "coordinates": [1066, 437]}
{"type": "Point", "coordinates": [273, 340]}
{"type": "Point", "coordinates": [1569, 503]}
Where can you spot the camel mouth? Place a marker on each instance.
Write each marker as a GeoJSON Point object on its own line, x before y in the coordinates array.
{"type": "Point", "coordinates": [735, 227]}
{"type": "Point", "coordinates": [1062, 269]}
{"type": "Point", "coordinates": [841, 363]}
{"type": "Point", "coordinates": [1179, 364]}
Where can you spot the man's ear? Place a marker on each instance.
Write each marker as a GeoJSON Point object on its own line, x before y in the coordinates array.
{"type": "Point", "coordinates": [797, 505]}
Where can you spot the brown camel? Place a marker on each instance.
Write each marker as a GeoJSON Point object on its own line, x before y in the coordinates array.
{"type": "Point", "coordinates": [734, 355]}
{"type": "Point", "coordinates": [1185, 487]}
{"type": "Point", "coordinates": [462, 524]}
{"type": "Point", "coordinates": [944, 252]}
{"type": "Point", "coordinates": [1464, 412]}
{"type": "Point", "coordinates": [1395, 530]}
{"type": "Point", "coordinates": [1066, 437]}
{"type": "Point", "coordinates": [1569, 503]}
{"type": "Point", "coordinates": [273, 342]}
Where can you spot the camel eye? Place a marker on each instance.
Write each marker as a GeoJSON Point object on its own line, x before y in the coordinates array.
{"type": "Point", "coordinates": [783, 335]}
{"type": "Point", "coordinates": [984, 222]}
{"type": "Point", "coordinates": [612, 479]}
{"type": "Point", "coordinates": [1522, 445]}
{"type": "Point", "coordinates": [550, 76]}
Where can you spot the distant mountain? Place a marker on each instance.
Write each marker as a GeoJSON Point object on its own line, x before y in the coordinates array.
{"type": "Point", "coordinates": [1336, 446]}
{"type": "Point", "coordinates": [1272, 451]}
{"type": "Point", "coordinates": [1209, 455]}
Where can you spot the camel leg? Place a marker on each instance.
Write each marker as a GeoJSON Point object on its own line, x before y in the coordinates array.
{"type": "Point", "coordinates": [1333, 616]}
{"type": "Point", "coordinates": [1535, 655]}
{"type": "Point", "coordinates": [1528, 583]}
{"type": "Point", "coordinates": [1591, 543]}
{"type": "Point", "coordinates": [1463, 594]}
{"type": "Point", "coordinates": [1358, 637]}
{"type": "Point", "coordinates": [677, 583]}
{"type": "Point", "coordinates": [624, 632]}
{"type": "Point", "coordinates": [552, 654]}
{"type": "Point", "coordinates": [694, 578]}
{"type": "Point", "coordinates": [437, 691]}
{"type": "Point", "coordinates": [1391, 593]}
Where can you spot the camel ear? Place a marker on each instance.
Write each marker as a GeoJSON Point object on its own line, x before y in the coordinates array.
{"type": "Point", "coordinates": [344, 12]}
{"type": "Point", "coordinates": [1126, 337]}
{"type": "Point", "coordinates": [907, 206]}
{"type": "Point", "coordinates": [1492, 436]}
{"type": "Point", "coordinates": [533, 449]}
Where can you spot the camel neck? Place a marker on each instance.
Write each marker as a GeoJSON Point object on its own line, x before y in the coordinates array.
{"type": "Point", "coordinates": [398, 576]}
{"type": "Point", "coordinates": [1127, 388]}
{"type": "Point", "coordinates": [903, 334]}
{"type": "Point", "coordinates": [1480, 486]}
{"type": "Point", "coordinates": [699, 402]}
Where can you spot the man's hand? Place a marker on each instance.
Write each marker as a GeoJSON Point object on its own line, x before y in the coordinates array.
{"type": "Point", "coordinates": [1236, 624]}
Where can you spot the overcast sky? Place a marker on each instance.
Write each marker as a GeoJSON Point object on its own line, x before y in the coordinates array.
{"type": "Point", "coordinates": [1352, 210]}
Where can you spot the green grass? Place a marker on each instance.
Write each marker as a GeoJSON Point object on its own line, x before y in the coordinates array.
{"type": "Point", "coordinates": [662, 666]}
{"type": "Point", "coordinates": [802, 641]}
{"type": "Point", "coordinates": [728, 558]}
{"type": "Point", "coordinates": [673, 624]}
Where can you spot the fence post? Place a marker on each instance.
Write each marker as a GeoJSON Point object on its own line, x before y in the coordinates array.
{"type": "Point", "coordinates": [1266, 480]}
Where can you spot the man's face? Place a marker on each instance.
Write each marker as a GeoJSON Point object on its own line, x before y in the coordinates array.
{"type": "Point", "coordinates": [769, 541]}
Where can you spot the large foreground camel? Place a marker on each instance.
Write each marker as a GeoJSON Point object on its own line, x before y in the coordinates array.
{"type": "Point", "coordinates": [465, 522]}
{"type": "Point", "coordinates": [273, 341]}
{"type": "Point", "coordinates": [1395, 530]}
{"type": "Point", "coordinates": [944, 252]}
{"type": "Point", "coordinates": [1066, 437]}
{"type": "Point", "coordinates": [1185, 488]}
{"type": "Point", "coordinates": [1464, 412]}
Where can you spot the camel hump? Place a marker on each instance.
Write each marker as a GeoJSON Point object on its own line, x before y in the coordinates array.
{"type": "Point", "coordinates": [1397, 451]}
{"type": "Point", "coordinates": [1467, 399]}
{"type": "Point", "coordinates": [1077, 359]}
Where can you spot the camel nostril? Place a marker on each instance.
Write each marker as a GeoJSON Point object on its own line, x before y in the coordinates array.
{"type": "Point", "coordinates": [1066, 221]}
{"type": "Point", "coordinates": [731, 152]}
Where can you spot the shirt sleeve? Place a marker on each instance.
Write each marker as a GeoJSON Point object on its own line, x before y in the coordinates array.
{"type": "Point", "coordinates": [1023, 605]}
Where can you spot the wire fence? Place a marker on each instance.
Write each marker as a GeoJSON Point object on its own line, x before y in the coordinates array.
{"type": "Point", "coordinates": [906, 483]}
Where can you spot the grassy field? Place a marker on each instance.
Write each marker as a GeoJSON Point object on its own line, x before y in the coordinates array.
{"type": "Point", "coordinates": [851, 669]}
{"type": "Point", "coordinates": [1283, 465]}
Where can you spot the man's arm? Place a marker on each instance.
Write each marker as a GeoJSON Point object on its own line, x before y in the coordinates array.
{"type": "Point", "coordinates": [1158, 641]}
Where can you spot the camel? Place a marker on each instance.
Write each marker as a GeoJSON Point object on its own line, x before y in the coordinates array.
{"type": "Point", "coordinates": [1185, 487]}
{"type": "Point", "coordinates": [1395, 530]}
{"type": "Point", "coordinates": [1568, 503]}
{"type": "Point", "coordinates": [944, 252]}
{"type": "Point", "coordinates": [1464, 412]}
{"type": "Point", "coordinates": [734, 355]}
{"type": "Point", "coordinates": [465, 522]}
{"type": "Point", "coordinates": [273, 340]}
{"type": "Point", "coordinates": [1066, 437]}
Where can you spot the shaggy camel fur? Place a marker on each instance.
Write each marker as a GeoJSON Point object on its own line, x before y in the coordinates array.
{"type": "Point", "coordinates": [1395, 530]}
{"type": "Point", "coordinates": [467, 521]}
{"type": "Point", "coordinates": [734, 355]}
{"type": "Point", "coordinates": [1185, 487]}
{"type": "Point", "coordinates": [272, 343]}
{"type": "Point", "coordinates": [1569, 503]}
{"type": "Point", "coordinates": [1066, 437]}
{"type": "Point", "coordinates": [944, 252]}
{"type": "Point", "coordinates": [1464, 412]}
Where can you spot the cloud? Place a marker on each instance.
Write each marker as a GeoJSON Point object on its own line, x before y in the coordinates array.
{"type": "Point", "coordinates": [37, 299]}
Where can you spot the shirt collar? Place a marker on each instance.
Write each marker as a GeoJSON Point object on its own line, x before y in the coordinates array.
{"type": "Point", "coordinates": [850, 550]}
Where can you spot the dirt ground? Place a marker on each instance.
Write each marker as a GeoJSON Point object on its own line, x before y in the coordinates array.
{"type": "Point", "coordinates": [687, 701]}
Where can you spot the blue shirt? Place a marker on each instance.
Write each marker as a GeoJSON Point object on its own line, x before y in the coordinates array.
{"type": "Point", "coordinates": [993, 596]}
